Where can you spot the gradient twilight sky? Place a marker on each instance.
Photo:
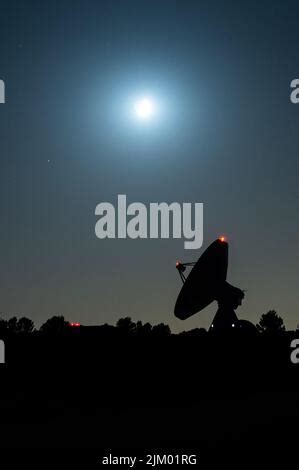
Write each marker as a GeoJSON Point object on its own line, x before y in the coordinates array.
{"type": "Point", "coordinates": [228, 137]}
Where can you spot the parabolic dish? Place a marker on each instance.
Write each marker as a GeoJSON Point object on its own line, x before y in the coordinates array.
{"type": "Point", "coordinates": [204, 280]}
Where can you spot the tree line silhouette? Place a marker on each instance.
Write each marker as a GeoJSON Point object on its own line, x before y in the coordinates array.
{"type": "Point", "coordinates": [64, 373]}
{"type": "Point", "coordinates": [270, 323]}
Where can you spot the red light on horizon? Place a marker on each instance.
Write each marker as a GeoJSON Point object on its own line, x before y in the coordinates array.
{"type": "Point", "coordinates": [75, 324]}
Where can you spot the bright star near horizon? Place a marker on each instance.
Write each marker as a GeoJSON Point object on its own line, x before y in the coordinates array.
{"type": "Point", "coordinates": [144, 108]}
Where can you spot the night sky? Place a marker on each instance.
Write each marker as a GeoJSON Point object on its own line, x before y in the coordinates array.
{"type": "Point", "coordinates": [227, 137]}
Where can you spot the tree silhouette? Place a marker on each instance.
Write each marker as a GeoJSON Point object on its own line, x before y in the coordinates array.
{"type": "Point", "coordinates": [126, 326]}
{"type": "Point", "coordinates": [143, 329]}
{"type": "Point", "coordinates": [270, 322]}
{"type": "Point", "coordinates": [55, 325]}
{"type": "Point", "coordinates": [161, 330]}
{"type": "Point", "coordinates": [12, 325]}
{"type": "Point", "coordinates": [24, 326]}
{"type": "Point", "coordinates": [3, 326]}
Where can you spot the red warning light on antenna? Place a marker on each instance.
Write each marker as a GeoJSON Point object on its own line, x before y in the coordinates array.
{"type": "Point", "coordinates": [222, 239]}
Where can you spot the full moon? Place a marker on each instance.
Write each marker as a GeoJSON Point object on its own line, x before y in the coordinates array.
{"type": "Point", "coordinates": [144, 108]}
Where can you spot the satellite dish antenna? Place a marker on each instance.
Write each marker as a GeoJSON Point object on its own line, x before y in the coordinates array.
{"type": "Point", "coordinates": [205, 280]}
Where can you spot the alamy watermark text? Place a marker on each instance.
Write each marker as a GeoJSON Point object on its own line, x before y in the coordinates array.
{"type": "Point", "coordinates": [159, 220]}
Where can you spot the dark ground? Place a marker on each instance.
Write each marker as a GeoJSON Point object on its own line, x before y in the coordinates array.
{"type": "Point", "coordinates": [234, 401]}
